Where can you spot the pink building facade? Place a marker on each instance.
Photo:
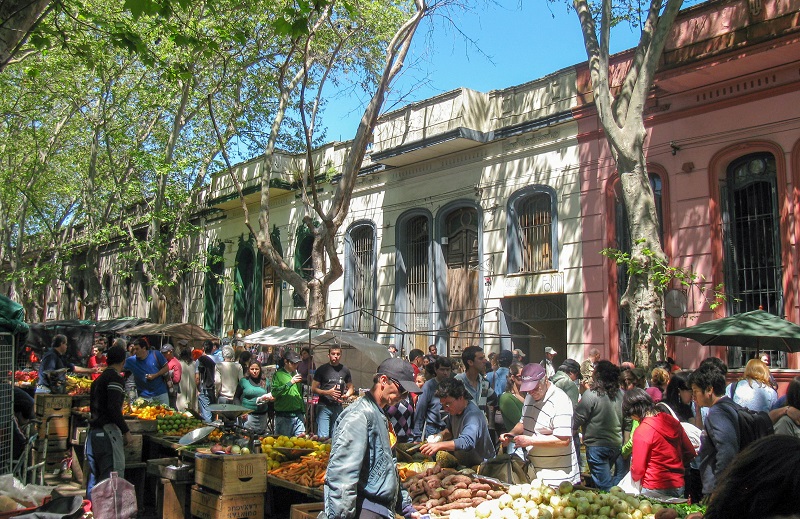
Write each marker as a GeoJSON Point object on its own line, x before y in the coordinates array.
{"type": "Point", "coordinates": [723, 153]}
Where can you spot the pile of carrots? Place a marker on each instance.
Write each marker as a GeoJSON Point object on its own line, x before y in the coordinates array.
{"type": "Point", "coordinates": [309, 471]}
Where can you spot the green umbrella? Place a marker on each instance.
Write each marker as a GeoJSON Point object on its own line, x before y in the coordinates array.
{"type": "Point", "coordinates": [757, 329]}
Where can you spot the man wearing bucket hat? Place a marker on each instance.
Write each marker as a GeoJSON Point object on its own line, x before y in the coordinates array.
{"type": "Point", "coordinates": [362, 479]}
{"type": "Point", "coordinates": [547, 362]}
{"type": "Point", "coordinates": [545, 428]}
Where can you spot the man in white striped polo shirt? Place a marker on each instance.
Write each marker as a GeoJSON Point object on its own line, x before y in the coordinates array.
{"type": "Point", "coordinates": [545, 429]}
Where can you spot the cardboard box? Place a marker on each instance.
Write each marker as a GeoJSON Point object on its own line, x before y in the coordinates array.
{"type": "Point", "coordinates": [306, 511]}
{"type": "Point", "coordinates": [231, 474]}
{"type": "Point", "coordinates": [47, 404]}
{"type": "Point", "coordinates": [208, 505]}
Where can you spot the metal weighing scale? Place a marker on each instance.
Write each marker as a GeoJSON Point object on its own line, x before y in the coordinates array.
{"type": "Point", "coordinates": [226, 421]}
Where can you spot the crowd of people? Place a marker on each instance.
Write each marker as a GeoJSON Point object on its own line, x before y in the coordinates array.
{"type": "Point", "coordinates": [671, 432]}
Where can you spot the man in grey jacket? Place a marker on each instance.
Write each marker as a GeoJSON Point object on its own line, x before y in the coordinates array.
{"type": "Point", "coordinates": [362, 480]}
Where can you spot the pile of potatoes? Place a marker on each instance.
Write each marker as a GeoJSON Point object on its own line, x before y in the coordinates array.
{"type": "Point", "coordinates": [438, 491]}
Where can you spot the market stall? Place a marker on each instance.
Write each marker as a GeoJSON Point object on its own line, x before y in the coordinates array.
{"type": "Point", "coordinates": [360, 354]}
{"type": "Point", "coordinates": [191, 333]}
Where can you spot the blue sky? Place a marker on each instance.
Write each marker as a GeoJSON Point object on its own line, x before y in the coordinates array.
{"type": "Point", "coordinates": [513, 42]}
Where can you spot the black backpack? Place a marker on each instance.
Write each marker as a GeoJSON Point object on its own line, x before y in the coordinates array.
{"type": "Point", "coordinates": [752, 425]}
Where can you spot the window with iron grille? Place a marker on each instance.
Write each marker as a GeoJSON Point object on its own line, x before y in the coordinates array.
{"type": "Point", "coordinates": [416, 255]}
{"type": "Point", "coordinates": [532, 230]}
{"type": "Point", "coordinates": [623, 238]}
{"type": "Point", "coordinates": [463, 278]}
{"type": "Point", "coordinates": [751, 240]}
{"type": "Point", "coordinates": [360, 278]}
{"type": "Point", "coordinates": [214, 290]}
{"type": "Point", "coordinates": [535, 224]}
{"type": "Point", "coordinates": [243, 296]}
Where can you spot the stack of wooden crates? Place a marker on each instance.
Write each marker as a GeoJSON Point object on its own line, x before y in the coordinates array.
{"type": "Point", "coordinates": [229, 486]}
{"type": "Point", "coordinates": [53, 411]}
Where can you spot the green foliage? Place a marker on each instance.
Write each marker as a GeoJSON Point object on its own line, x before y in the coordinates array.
{"type": "Point", "coordinates": [662, 275]}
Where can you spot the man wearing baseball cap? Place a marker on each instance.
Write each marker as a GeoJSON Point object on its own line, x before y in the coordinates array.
{"type": "Point", "coordinates": [545, 429]}
{"type": "Point", "coordinates": [362, 478]}
{"type": "Point", "coordinates": [290, 410]}
{"type": "Point", "coordinates": [519, 355]}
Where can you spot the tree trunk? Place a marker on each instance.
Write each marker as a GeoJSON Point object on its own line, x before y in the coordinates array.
{"type": "Point", "coordinates": [173, 303]}
{"type": "Point", "coordinates": [642, 300]}
{"type": "Point", "coordinates": [18, 17]}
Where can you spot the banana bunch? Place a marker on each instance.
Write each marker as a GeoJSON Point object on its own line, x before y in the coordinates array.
{"type": "Point", "coordinates": [78, 385]}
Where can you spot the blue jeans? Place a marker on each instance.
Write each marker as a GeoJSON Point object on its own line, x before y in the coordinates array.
{"type": "Point", "coordinates": [205, 399]}
{"type": "Point", "coordinates": [605, 466]}
{"type": "Point", "coordinates": [326, 419]}
{"type": "Point", "coordinates": [671, 492]}
{"type": "Point", "coordinates": [102, 446]}
{"type": "Point", "coordinates": [289, 425]}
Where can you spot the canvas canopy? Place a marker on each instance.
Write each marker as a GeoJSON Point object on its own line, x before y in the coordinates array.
{"type": "Point", "coordinates": [360, 354]}
{"type": "Point", "coordinates": [12, 316]}
{"type": "Point", "coordinates": [119, 324]}
{"type": "Point", "coordinates": [79, 333]}
{"type": "Point", "coordinates": [176, 331]}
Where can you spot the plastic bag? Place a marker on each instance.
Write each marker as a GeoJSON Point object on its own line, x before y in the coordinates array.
{"type": "Point", "coordinates": [27, 495]}
{"type": "Point", "coordinates": [114, 498]}
{"type": "Point", "coordinates": [629, 486]}
{"type": "Point", "coordinates": [506, 468]}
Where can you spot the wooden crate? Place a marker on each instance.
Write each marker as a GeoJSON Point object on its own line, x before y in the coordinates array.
{"type": "Point", "coordinates": [136, 425]}
{"type": "Point", "coordinates": [79, 435]}
{"type": "Point", "coordinates": [133, 451]}
{"type": "Point", "coordinates": [176, 500]}
{"type": "Point", "coordinates": [59, 428]}
{"type": "Point", "coordinates": [57, 455]}
{"type": "Point", "coordinates": [208, 505]}
{"type": "Point", "coordinates": [47, 404]}
{"type": "Point", "coordinates": [53, 444]}
{"type": "Point", "coordinates": [306, 511]}
{"type": "Point", "coordinates": [231, 474]}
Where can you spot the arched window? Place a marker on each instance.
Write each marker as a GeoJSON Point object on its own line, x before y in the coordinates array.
{"type": "Point", "coordinates": [213, 292]}
{"type": "Point", "coordinates": [751, 241]}
{"type": "Point", "coordinates": [271, 284]}
{"type": "Point", "coordinates": [461, 251]}
{"type": "Point", "coordinates": [414, 270]}
{"type": "Point", "coordinates": [303, 262]}
{"type": "Point", "coordinates": [622, 233]}
{"type": "Point", "coordinates": [243, 296]}
{"type": "Point", "coordinates": [532, 230]}
{"type": "Point", "coordinates": [360, 282]}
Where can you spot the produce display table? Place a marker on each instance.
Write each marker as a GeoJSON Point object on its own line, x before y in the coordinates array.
{"type": "Point", "coordinates": [169, 445]}
{"type": "Point", "coordinates": [282, 494]}
{"type": "Point", "coordinates": [315, 493]}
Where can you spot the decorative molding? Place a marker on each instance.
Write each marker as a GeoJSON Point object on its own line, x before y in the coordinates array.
{"type": "Point", "coordinates": [531, 284]}
{"type": "Point", "coordinates": [532, 140]}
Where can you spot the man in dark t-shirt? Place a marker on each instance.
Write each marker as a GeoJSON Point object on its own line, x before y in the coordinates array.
{"type": "Point", "coordinates": [334, 384]}
{"type": "Point", "coordinates": [108, 431]}
{"type": "Point", "coordinates": [204, 378]}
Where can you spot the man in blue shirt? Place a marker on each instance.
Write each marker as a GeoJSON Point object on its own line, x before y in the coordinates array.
{"type": "Point", "coordinates": [428, 417]}
{"type": "Point", "coordinates": [148, 368]}
{"type": "Point", "coordinates": [467, 433]}
{"type": "Point", "coordinates": [497, 378]}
